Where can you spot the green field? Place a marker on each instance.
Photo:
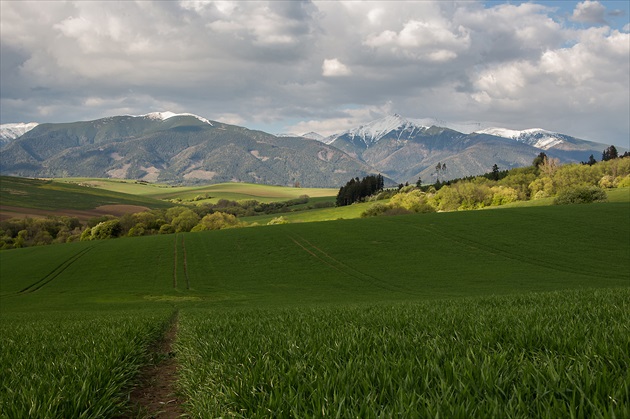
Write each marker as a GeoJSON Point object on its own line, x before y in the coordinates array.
{"type": "Point", "coordinates": [231, 191]}
{"type": "Point", "coordinates": [516, 313]}
{"type": "Point", "coordinates": [53, 195]}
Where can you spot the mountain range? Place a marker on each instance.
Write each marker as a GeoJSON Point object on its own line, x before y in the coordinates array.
{"type": "Point", "coordinates": [405, 149]}
{"type": "Point", "coordinates": [187, 149]}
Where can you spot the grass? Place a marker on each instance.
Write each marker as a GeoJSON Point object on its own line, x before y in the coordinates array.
{"type": "Point", "coordinates": [52, 195]}
{"type": "Point", "coordinates": [231, 191]}
{"type": "Point", "coordinates": [515, 313]}
{"type": "Point", "coordinates": [313, 215]}
{"type": "Point", "coordinates": [562, 354]}
{"type": "Point", "coordinates": [384, 258]}
{"type": "Point", "coordinates": [77, 364]}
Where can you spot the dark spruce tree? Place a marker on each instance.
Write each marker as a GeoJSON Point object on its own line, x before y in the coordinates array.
{"type": "Point", "coordinates": [539, 159]}
{"type": "Point", "coordinates": [610, 153]}
{"type": "Point", "coordinates": [355, 190]}
{"type": "Point", "coordinates": [591, 161]}
{"type": "Point", "coordinates": [494, 175]}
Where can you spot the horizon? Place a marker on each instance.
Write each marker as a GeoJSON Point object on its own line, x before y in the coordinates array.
{"type": "Point", "coordinates": [456, 126]}
{"type": "Point", "coordinates": [324, 67]}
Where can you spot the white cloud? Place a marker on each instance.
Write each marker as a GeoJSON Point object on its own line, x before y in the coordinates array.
{"type": "Point", "coordinates": [334, 68]}
{"type": "Point", "coordinates": [343, 119]}
{"type": "Point", "coordinates": [589, 12]}
{"type": "Point", "coordinates": [268, 62]}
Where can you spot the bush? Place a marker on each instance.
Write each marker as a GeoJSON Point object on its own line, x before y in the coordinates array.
{"type": "Point", "coordinates": [413, 201]}
{"type": "Point", "coordinates": [502, 195]}
{"type": "Point", "coordinates": [106, 230]}
{"type": "Point", "coordinates": [166, 229]}
{"type": "Point", "coordinates": [278, 220]}
{"type": "Point", "coordinates": [623, 182]}
{"type": "Point", "coordinates": [581, 195]}
{"type": "Point", "coordinates": [216, 221]}
{"type": "Point", "coordinates": [375, 210]}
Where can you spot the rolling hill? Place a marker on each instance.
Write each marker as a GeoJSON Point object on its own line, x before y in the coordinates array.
{"type": "Point", "coordinates": [378, 259]}
{"type": "Point", "coordinates": [20, 197]}
{"type": "Point", "coordinates": [508, 312]}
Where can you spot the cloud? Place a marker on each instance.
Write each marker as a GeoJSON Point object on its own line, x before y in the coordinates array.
{"type": "Point", "coordinates": [590, 12]}
{"type": "Point", "coordinates": [342, 120]}
{"type": "Point", "coordinates": [432, 40]}
{"type": "Point", "coordinates": [334, 68]}
{"type": "Point", "coordinates": [317, 65]}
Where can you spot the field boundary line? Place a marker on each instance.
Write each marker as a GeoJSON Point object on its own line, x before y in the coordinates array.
{"type": "Point", "coordinates": [58, 270]}
{"type": "Point", "coordinates": [344, 268]}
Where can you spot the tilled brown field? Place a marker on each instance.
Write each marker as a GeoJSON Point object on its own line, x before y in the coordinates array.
{"type": "Point", "coordinates": [7, 211]}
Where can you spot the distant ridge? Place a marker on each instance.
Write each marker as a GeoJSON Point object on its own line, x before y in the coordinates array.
{"type": "Point", "coordinates": [177, 149]}
{"type": "Point", "coordinates": [184, 148]}
{"type": "Point", "coordinates": [408, 149]}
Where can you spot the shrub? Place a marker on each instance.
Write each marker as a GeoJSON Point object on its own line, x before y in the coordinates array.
{"type": "Point", "coordinates": [278, 220]}
{"type": "Point", "coordinates": [185, 221]}
{"type": "Point", "coordinates": [106, 230]}
{"type": "Point", "coordinates": [413, 201]}
{"type": "Point", "coordinates": [606, 181]}
{"type": "Point", "coordinates": [580, 195]}
{"type": "Point", "coordinates": [166, 229]}
{"type": "Point", "coordinates": [375, 210]}
{"type": "Point", "coordinates": [623, 182]}
{"type": "Point", "coordinates": [502, 195]}
{"type": "Point", "coordinates": [216, 221]}
{"type": "Point", "coordinates": [541, 187]}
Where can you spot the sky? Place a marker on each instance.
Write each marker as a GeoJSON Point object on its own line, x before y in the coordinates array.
{"type": "Point", "coordinates": [323, 66]}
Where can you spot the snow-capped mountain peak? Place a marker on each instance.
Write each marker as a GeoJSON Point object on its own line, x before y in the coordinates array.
{"type": "Point", "coordinates": [372, 132]}
{"type": "Point", "coordinates": [9, 132]}
{"type": "Point", "coordinates": [313, 136]}
{"type": "Point", "coordinates": [163, 116]}
{"type": "Point", "coordinates": [536, 137]}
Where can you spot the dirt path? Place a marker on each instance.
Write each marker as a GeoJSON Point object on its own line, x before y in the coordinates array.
{"type": "Point", "coordinates": [155, 396]}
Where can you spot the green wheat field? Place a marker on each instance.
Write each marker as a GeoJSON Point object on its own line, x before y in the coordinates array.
{"type": "Point", "coordinates": [519, 312]}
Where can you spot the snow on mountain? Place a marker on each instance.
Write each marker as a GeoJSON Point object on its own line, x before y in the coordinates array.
{"type": "Point", "coordinates": [535, 137]}
{"type": "Point", "coordinates": [167, 115]}
{"type": "Point", "coordinates": [463, 127]}
{"type": "Point", "coordinates": [313, 136]}
{"type": "Point", "coordinates": [371, 133]}
{"type": "Point", "coordinates": [9, 132]}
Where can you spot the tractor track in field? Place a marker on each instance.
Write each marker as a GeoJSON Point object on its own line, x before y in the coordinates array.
{"type": "Point", "coordinates": [58, 270]}
{"type": "Point", "coordinates": [156, 394]}
{"type": "Point", "coordinates": [184, 262]}
{"type": "Point", "coordinates": [342, 267]}
{"type": "Point", "coordinates": [175, 263]}
{"type": "Point", "coordinates": [185, 265]}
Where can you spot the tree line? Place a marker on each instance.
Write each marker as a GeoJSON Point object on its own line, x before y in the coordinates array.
{"type": "Point", "coordinates": [356, 190]}
{"type": "Point", "coordinates": [26, 232]}
{"type": "Point", "coordinates": [545, 178]}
